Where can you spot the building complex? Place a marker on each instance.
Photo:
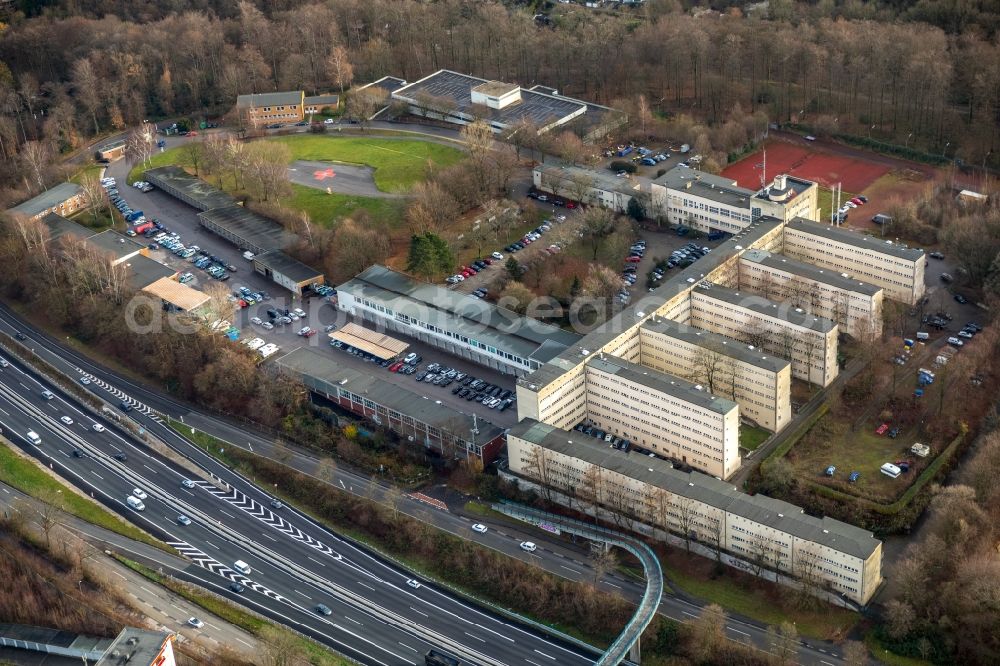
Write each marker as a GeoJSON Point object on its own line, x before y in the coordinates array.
{"type": "Point", "coordinates": [764, 533]}
{"type": "Point", "coordinates": [63, 199]}
{"type": "Point", "coordinates": [282, 107]}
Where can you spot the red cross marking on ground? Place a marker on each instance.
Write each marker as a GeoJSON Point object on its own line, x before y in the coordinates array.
{"type": "Point", "coordinates": [320, 174]}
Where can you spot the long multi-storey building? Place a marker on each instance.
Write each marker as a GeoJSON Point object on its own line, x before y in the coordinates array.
{"type": "Point", "coordinates": [758, 382]}
{"type": "Point", "coordinates": [809, 342]}
{"type": "Point", "coordinates": [855, 306]}
{"type": "Point", "coordinates": [664, 414]}
{"type": "Point", "coordinates": [899, 270]}
{"type": "Point", "coordinates": [763, 532]}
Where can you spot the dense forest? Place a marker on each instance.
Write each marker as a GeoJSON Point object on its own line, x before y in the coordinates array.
{"type": "Point", "coordinates": [79, 67]}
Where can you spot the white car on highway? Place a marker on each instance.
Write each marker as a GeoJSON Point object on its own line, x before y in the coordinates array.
{"type": "Point", "coordinates": [98, 427]}
{"type": "Point", "coordinates": [67, 420]}
{"type": "Point", "coordinates": [479, 527]}
{"type": "Point", "coordinates": [528, 546]}
{"type": "Point", "coordinates": [140, 493]}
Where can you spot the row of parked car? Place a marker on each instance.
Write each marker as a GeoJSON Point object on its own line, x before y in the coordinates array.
{"type": "Point", "coordinates": [211, 264]}
{"type": "Point", "coordinates": [552, 199]}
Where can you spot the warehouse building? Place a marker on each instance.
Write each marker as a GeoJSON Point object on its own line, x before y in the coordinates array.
{"type": "Point", "coordinates": [899, 270]}
{"type": "Point", "coordinates": [192, 190]}
{"type": "Point", "coordinates": [63, 199]}
{"type": "Point", "coordinates": [176, 296]}
{"type": "Point", "coordinates": [457, 323]}
{"type": "Point", "coordinates": [425, 422]}
{"type": "Point", "coordinates": [809, 342]}
{"type": "Point", "coordinates": [143, 271]}
{"type": "Point", "coordinates": [856, 306]}
{"type": "Point", "coordinates": [664, 414]}
{"type": "Point", "coordinates": [758, 382]}
{"type": "Point", "coordinates": [120, 246]}
{"type": "Point", "coordinates": [290, 273]}
{"type": "Point", "coordinates": [245, 229]}
{"type": "Point", "coordinates": [762, 532]}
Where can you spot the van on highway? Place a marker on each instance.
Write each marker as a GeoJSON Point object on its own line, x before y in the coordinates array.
{"type": "Point", "coordinates": [135, 503]}
{"type": "Point", "coordinates": [242, 567]}
{"type": "Point", "coordinates": [34, 438]}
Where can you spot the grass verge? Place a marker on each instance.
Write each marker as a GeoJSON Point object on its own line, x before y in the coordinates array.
{"type": "Point", "coordinates": [233, 614]}
{"type": "Point", "coordinates": [398, 163]}
{"type": "Point", "coordinates": [25, 475]}
{"type": "Point", "coordinates": [824, 199]}
{"type": "Point", "coordinates": [751, 438]}
{"type": "Point", "coordinates": [888, 658]}
{"type": "Point", "coordinates": [325, 209]}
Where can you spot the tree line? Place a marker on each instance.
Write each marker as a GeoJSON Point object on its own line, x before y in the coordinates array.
{"type": "Point", "coordinates": [66, 75]}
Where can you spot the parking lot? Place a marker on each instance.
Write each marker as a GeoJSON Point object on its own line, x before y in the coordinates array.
{"type": "Point", "coordinates": [673, 157]}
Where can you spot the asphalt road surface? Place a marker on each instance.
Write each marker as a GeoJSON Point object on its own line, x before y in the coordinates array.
{"type": "Point", "coordinates": [341, 178]}
{"type": "Point", "coordinates": [376, 617]}
{"type": "Point", "coordinates": [558, 557]}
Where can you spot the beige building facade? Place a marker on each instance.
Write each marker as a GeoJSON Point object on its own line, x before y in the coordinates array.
{"type": "Point", "coordinates": [823, 554]}
{"type": "Point", "coordinates": [759, 383]}
{"type": "Point", "coordinates": [897, 269]}
{"type": "Point", "coordinates": [664, 414]}
{"type": "Point", "coordinates": [809, 342]}
{"type": "Point", "coordinates": [856, 306]}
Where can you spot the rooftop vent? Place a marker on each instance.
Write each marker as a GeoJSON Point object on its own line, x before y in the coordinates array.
{"type": "Point", "coordinates": [584, 352]}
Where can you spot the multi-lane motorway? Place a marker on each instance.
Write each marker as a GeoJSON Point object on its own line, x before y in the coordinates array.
{"type": "Point", "coordinates": [551, 555]}
{"type": "Point", "coordinates": [376, 617]}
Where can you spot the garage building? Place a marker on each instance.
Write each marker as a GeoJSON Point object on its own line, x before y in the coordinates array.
{"type": "Point", "coordinates": [377, 344]}
{"type": "Point", "coordinates": [176, 295]}
{"type": "Point", "coordinates": [290, 273]}
{"type": "Point", "coordinates": [245, 229]}
{"type": "Point", "coordinates": [192, 190]}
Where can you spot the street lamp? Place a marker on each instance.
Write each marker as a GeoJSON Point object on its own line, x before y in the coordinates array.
{"type": "Point", "coordinates": [870, 131]}
{"type": "Point", "coordinates": [945, 148]}
{"type": "Point", "coordinates": [907, 142]}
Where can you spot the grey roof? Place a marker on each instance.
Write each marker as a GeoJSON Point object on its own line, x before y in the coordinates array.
{"type": "Point", "coordinates": [724, 345]}
{"type": "Point", "coordinates": [50, 198]}
{"type": "Point", "coordinates": [112, 242]}
{"type": "Point", "coordinates": [255, 230]}
{"type": "Point", "coordinates": [293, 269]}
{"type": "Point", "coordinates": [139, 647]}
{"type": "Point", "coordinates": [459, 313]}
{"type": "Point", "coordinates": [604, 180]}
{"type": "Point", "coordinates": [144, 271]}
{"type": "Point", "coordinates": [389, 84]}
{"type": "Point", "coordinates": [59, 226]}
{"type": "Point", "coordinates": [55, 638]}
{"type": "Point", "coordinates": [322, 373]}
{"type": "Point", "coordinates": [662, 383]}
{"type": "Point", "coordinates": [768, 308]}
{"type": "Point", "coordinates": [795, 185]}
{"type": "Point", "coordinates": [537, 107]}
{"type": "Point", "coordinates": [809, 271]}
{"type": "Point", "coordinates": [322, 100]}
{"type": "Point", "coordinates": [706, 186]}
{"type": "Point", "coordinates": [199, 193]}
{"type": "Point", "coordinates": [292, 97]}
{"type": "Point", "coordinates": [767, 511]}
{"type": "Point", "coordinates": [856, 239]}
{"type": "Point", "coordinates": [649, 302]}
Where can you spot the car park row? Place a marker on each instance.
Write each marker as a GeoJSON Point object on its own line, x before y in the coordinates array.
{"type": "Point", "coordinates": [479, 265]}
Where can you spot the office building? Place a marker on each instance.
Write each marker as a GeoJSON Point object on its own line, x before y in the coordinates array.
{"type": "Point", "coordinates": [856, 306]}
{"type": "Point", "coordinates": [761, 532]}
{"type": "Point", "coordinates": [282, 107]}
{"type": "Point", "coordinates": [599, 188]}
{"type": "Point", "coordinates": [416, 419]}
{"type": "Point", "coordinates": [758, 382]}
{"type": "Point", "coordinates": [664, 414]}
{"type": "Point", "coordinates": [899, 270]}
{"type": "Point", "coordinates": [809, 342]}
{"type": "Point", "coordinates": [459, 324]}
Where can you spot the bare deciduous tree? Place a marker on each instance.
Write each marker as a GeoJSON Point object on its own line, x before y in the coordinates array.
{"type": "Point", "coordinates": [340, 68]}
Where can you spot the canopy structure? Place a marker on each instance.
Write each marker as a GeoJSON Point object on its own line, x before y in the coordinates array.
{"type": "Point", "coordinates": [377, 344]}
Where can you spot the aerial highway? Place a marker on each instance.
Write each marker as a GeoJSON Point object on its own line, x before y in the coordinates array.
{"type": "Point", "coordinates": [373, 612]}
{"type": "Point", "coordinates": [552, 554]}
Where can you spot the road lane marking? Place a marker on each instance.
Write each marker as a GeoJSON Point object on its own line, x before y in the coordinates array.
{"type": "Point", "coordinates": [269, 537]}
{"type": "Point", "coordinates": [689, 614]}
{"type": "Point", "coordinates": [545, 655]}
{"type": "Point", "coordinates": [473, 636]}
{"type": "Point", "coordinates": [244, 642]}
{"type": "Point", "coordinates": [352, 620]}
{"type": "Point", "coordinates": [409, 648]}
{"type": "Point", "coordinates": [303, 594]}
{"type": "Point", "coordinates": [212, 544]}
{"type": "Point", "coordinates": [316, 561]}
{"type": "Point", "coordinates": [363, 585]}
{"type": "Point", "coordinates": [608, 582]}
{"type": "Point", "coordinates": [416, 611]}
{"type": "Point", "coordinates": [97, 475]}
{"type": "Point", "coordinates": [569, 569]}
{"type": "Point", "coordinates": [227, 513]}
{"type": "Point", "coordinates": [149, 468]}
{"type": "Point", "coordinates": [738, 631]}
{"type": "Point", "coordinates": [532, 662]}
{"type": "Point", "coordinates": [506, 638]}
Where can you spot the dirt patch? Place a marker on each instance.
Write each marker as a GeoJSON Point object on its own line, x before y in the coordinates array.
{"type": "Point", "coordinates": [807, 161]}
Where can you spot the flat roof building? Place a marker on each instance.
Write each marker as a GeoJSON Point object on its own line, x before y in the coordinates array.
{"type": "Point", "coordinates": [419, 419]}
{"type": "Point", "coordinates": [665, 414]}
{"type": "Point", "coordinates": [176, 295]}
{"type": "Point", "coordinates": [192, 190]}
{"type": "Point", "coordinates": [25, 644]}
{"type": "Point", "coordinates": [144, 271]}
{"type": "Point", "coordinates": [290, 273]}
{"type": "Point", "coordinates": [460, 324]}
{"type": "Point", "coordinates": [246, 229]}
{"type": "Point", "coordinates": [759, 531]}
{"type": "Point", "coordinates": [856, 306]}
{"type": "Point", "coordinates": [63, 199]}
{"type": "Point", "coordinates": [587, 186]}
{"type": "Point", "coordinates": [461, 99]}
{"type": "Point", "coordinates": [758, 382]}
{"type": "Point", "coordinates": [118, 245]}
{"type": "Point", "coordinates": [898, 269]}
{"type": "Point", "coordinates": [59, 226]}
{"type": "Point", "coordinates": [808, 341]}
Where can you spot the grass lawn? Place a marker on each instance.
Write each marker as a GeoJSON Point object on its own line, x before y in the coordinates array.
{"type": "Point", "coordinates": [824, 198]}
{"type": "Point", "coordinates": [831, 442]}
{"type": "Point", "coordinates": [23, 474]}
{"type": "Point", "coordinates": [743, 594]}
{"type": "Point", "coordinates": [399, 164]}
{"type": "Point", "coordinates": [890, 658]}
{"type": "Point", "coordinates": [157, 159]}
{"type": "Point", "coordinates": [751, 438]}
{"type": "Point", "coordinates": [326, 209]}
{"type": "Point", "coordinates": [94, 169]}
